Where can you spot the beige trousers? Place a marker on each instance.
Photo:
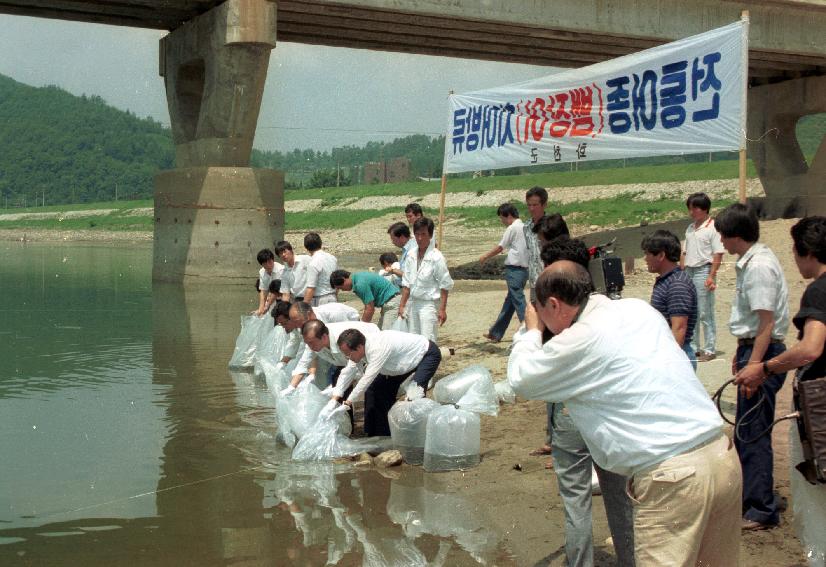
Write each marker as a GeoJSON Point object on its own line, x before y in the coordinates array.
{"type": "Point", "coordinates": [687, 509]}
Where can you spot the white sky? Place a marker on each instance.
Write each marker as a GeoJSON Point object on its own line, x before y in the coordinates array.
{"type": "Point", "coordinates": [362, 95]}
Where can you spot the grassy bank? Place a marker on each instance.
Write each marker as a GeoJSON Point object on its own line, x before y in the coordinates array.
{"type": "Point", "coordinates": [620, 210]}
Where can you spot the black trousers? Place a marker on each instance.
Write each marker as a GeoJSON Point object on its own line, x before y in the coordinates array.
{"type": "Point", "coordinates": [382, 393]}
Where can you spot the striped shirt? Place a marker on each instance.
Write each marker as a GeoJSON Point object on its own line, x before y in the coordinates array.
{"type": "Point", "coordinates": [674, 295]}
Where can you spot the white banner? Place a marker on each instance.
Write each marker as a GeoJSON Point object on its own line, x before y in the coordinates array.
{"type": "Point", "coordinates": [680, 98]}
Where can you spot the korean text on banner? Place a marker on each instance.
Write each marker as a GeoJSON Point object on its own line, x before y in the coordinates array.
{"type": "Point", "coordinates": [678, 98]}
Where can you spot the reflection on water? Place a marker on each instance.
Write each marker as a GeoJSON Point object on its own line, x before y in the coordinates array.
{"type": "Point", "coordinates": [125, 439]}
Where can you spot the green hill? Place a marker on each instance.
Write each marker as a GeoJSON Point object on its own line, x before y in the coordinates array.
{"type": "Point", "coordinates": [74, 149]}
{"type": "Point", "coordinates": [70, 149]}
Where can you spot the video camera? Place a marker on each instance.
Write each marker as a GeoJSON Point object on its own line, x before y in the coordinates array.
{"type": "Point", "coordinates": [606, 270]}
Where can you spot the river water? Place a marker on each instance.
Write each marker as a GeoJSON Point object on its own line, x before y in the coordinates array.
{"type": "Point", "coordinates": [126, 441]}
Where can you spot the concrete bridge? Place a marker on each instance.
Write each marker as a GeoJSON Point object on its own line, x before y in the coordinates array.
{"type": "Point", "coordinates": [213, 211]}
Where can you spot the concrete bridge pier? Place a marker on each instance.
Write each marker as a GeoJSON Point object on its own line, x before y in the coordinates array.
{"type": "Point", "coordinates": [213, 212]}
{"type": "Point", "coordinates": [794, 188]}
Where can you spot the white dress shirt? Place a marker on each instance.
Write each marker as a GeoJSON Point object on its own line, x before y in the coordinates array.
{"type": "Point", "coordinates": [408, 250]}
{"type": "Point", "coordinates": [761, 285]}
{"type": "Point", "coordinates": [264, 278]}
{"type": "Point", "coordinates": [701, 244]}
{"type": "Point", "coordinates": [426, 278]}
{"type": "Point", "coordinates": [391, 353]}
{"type": "Point", "coordinates": [514, 242]}
{"type": "Point", "coordinates": [294, 279]}
{"type": "Point", "coordinates": [332, 354]}
{"type": "Point", "coordinates": [329, 314]}
{"type": "Point", "coordinates": [322, 264]}
{"type": "Point", "coordinates": [628, 386]}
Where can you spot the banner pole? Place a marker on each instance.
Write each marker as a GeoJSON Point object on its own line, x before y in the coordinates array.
{"type": "Point", "coordinates": [439, 243]}
{"type": "Point", "coordinates": [744, 17]}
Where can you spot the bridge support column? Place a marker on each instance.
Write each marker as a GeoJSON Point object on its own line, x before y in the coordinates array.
{"type": "Point", "coordinates": [213, 213]}
{"type": "Point", "coordinates": [793, 187]}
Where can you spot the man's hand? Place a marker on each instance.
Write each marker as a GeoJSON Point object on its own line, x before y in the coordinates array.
{"type": "Point", "coordinates": [734, 364]}
{"type": "Point", "coordinates": [482, 259]}
{"type": "Point", "coordinates": [750, 378]}
{"type": "Point", "coordinates": [310, 378]}
{"type": "Point", "coordinates": [711, 285]}
{"type": "Point", "coordinates": [442, 316]}
{"type": "Point", "coordinates": [532, 320]}
{"type": "Point", "coordinates": [401, 311]}
{"type": "Point", "coordinates": [332, 409]}
{"type": "Point", "coordinates": [328, 391]}
{"type": "Point", "coordinates": [287, 391]}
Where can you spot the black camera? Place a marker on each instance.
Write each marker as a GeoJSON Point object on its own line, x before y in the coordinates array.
{"type": "Point", "coordinates": [606, 271]}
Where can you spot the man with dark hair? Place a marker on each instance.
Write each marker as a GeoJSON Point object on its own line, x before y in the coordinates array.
{"type": "Point", "coordinates": [565, 248]}
{"type": "Point", "coordinates": [674, 294]}
{"type": "Point", "coordinates": [400, 236]}
{"type": "Point", "coordinates": [298, 314]}
{"type": "Point", "coordinates": [426, 283]}
{"type": "Point", "coordinates": [321, 265]}
{"type": "Point", "coordinates": [550, 227]}
{"type": "Point", "coordinates": [270, 270]}
{"type": "Point", "coordinates": [759, 319]}
{"type": "Point", "coordinates": [616, 366]}
{"type": "Point", "coordinates": [390, 357]}
{"type": "Point", "coordinates": [574, 464]}
{"type": "Point", "coordinates": [809, 357]}
{"type": "Point", "coordinates": [413, 212]}
{"type": "Point", "coordinates": [374, 291]}
{"type": "Point", "coordinates": [516, 270]}
{"type": "Point", "coordinates": [701, 259]}
{"type": "Point", "coordinates": [294, 276]}
{"type": "Point", "coordinates": [536, 199]}
{"type": "Point", "coordinates": [320, 346]}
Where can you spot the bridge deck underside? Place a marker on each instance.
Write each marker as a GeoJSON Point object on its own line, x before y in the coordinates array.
{"type": "Point", "coordinates": [343, 25]}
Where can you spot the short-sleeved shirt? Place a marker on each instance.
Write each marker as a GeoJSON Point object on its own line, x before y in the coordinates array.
{"type": "Point", "coordinates": [370, 287]}
{"type": "Point", "coordinates": [761, 286]}
{"type": "Point", "coordinates": [535, 266]}
{"type": "Point", "coordinates": [674, 295]}
{"type": "Point", "coordinates": [322, 265]}
{"type": "Point", "coordinates": [813, 306]}
{"type": "Point", "coordinates": [701, 244]}
{"type": "Point", "coordinates": [264, 278]}
{"type": "Point", "coordinates": [294, 279]}
{"type": "Point", "coordinates": [514, 242]}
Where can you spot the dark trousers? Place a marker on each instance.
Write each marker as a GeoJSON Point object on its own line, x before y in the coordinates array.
{"type": "Point", "coordinates": [332, 378]}
{"type": "Point", "coordinates": [382, 393]}
{"type": "Point", "coordinates": [757, 458]}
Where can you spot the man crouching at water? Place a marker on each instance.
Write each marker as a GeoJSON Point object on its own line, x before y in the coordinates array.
{"type": "Point", "coordinates": [636, 401]}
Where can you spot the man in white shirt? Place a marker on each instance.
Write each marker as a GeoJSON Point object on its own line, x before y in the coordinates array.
{"type": "Point", "coordinates": [321, 340]}
{"type": "Point", "coordinates": [294, 276]}
{"type": "Point", "coordinates": [516, 270]}
{"type": "Point", "coordinates": [390, 357]}
{"type": "Point", "coordinates": [400, 236]}
{"type": "Point", "coordinates": [701, 259]}
{"type": "Point", "coordinates": [321, 266]}
{"type": "Point", "coordinates": [426, 283]}
{"type": "Point", "coordinates": [643, 413]}
{"type": "Point", "coordinates": [298, 314]}
{"type": "Point", "coordinates": [759, 320]}
{"type": "Point", "coordinates": [270, 272]}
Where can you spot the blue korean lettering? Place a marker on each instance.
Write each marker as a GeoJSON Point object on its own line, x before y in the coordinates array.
{"type": "Point", "coordinates": [618, 102]}
{"type": "Point", "coordinates": [644, 98]}
{"type": "Point", "coordinates": [459, 129]}
{"type": "Point", "coordinates": [706, 79]}
{"type": "Point", "coordinates": [673, 94]}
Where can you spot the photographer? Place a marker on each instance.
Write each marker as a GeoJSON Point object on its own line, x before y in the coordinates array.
{"type": "Point", "coordinates": [616, 366]}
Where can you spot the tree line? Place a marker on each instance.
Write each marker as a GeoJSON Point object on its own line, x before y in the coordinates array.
{"type": "Point", "coordinates": [59, 148]}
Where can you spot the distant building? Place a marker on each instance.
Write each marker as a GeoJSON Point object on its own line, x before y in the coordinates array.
{"type": "Point", "coordinates": [388, 171]}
